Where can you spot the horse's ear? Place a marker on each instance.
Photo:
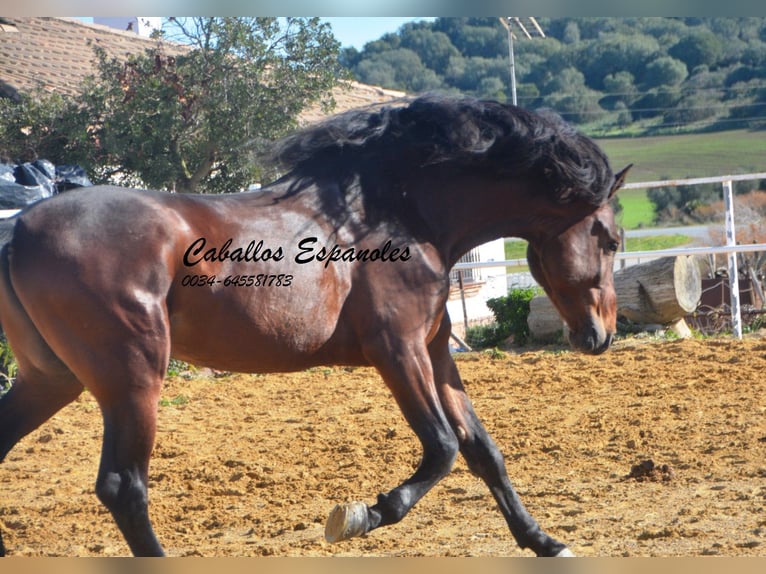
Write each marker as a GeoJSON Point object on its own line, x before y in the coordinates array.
{"type": "Point", "coordinates": [619, 180]}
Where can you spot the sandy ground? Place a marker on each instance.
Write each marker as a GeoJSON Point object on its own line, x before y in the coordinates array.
{"type": "Point", "coordinates": [251, 465]}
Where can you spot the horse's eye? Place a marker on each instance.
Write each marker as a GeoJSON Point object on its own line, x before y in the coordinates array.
{"type": "Point", "coordinates": [614, 246]}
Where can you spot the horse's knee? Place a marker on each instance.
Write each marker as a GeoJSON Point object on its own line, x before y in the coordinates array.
{"type": "Point", "coordinates": [441, 453]}
{"type": "Point", "coordinates": [482, 456]}
{"type": "Point", "coordinates": [122, 492]}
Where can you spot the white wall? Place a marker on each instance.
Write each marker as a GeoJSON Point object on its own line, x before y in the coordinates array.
{"type": "Point", "coordinates": [142, 25]}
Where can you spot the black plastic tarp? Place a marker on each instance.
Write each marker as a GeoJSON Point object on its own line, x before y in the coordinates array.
{"type": "Point", "coordinates": [27, 183]}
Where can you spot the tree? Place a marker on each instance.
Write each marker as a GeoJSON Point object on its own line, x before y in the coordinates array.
{"type": "Point", "coordinates": [571, 33]}
{"type": "Point", "coordinates": [434, 48]}
{"type": "Point", "coordinates": [696, 49]}
{"type": "Point", "coordinates": [194, 121]}
{"type": "Point", "coordinates": [620, 90]}
{"type": "Point", "coordinates": [401, 69]}
{"type": "Point", "coordinates": [42, 124]}
{"type": "Point", "coordinates": [569, 96]}
{"type": "Point", "coordinates": [614, 53]}
{"type": "Point", "coordinates": [664, 71]}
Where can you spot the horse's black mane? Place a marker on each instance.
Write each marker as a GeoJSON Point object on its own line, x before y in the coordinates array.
{"type": "Point", "coordinates": [503, 140]}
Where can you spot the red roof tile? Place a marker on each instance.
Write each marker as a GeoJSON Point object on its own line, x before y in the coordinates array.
{"type": "Point", "coordinates": [57, 55]}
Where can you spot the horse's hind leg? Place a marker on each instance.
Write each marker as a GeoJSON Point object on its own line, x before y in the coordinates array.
{"type": "Point", "coordinates": [126, 378]}
{"type": "Point", "coordinates": [129, 429]}
{"type": "Point", "coordinates": [407, 372]}
{"type": "Point", "coordinates": [483, 457]}
{"type": "Point", "coordinates": [43, 385]}
{"type": "Point", "coordinates": [30, 402]}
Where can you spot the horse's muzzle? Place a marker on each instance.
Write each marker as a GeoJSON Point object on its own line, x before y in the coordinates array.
{"type": "Point", "coordinates": [592, 341]}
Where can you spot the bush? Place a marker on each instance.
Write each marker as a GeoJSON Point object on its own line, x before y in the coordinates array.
{"type": "Point", "coordinates": [511, 312]}
{"type": "Point", "coordinates": [485, 336]}
{"type": "Point", "coordinates": [8, 366]}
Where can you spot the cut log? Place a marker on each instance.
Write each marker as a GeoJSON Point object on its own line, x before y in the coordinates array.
{"type": "Point", "coordinates": [659, 291]}
{"type": "Point", "coordinates": [543, 320]}
{"type": "Point", "coordinates": [662, 291]}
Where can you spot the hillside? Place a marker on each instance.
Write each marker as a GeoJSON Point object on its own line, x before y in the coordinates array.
{"type": "Point", "coordinates": [689, 155]}
{"type": "Point", "coordinates": [608, 75]}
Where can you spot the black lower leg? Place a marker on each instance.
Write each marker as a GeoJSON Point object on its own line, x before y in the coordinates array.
{"type": "Point", "coordinates": [439, 456]}
{"type": "Point", "coordinates": [125, 495]}
{"type": "Point", "coordinates": [485, 460]}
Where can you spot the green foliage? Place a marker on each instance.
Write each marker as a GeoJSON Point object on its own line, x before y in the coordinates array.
{"type": "Point", "coordinates": [699, 48]}
{"type": "Point", "coordinates": [401, 69]}
{"type": "Point", "coordinates": [485, 336]}
{"type": "Point", "coordinates": [41, 124]}
{"type": "Point", "coordinates": [654, 73]}
{"type": "Point", "coordinates": [191, 121]}
{"type": "Point", "coordinates": [511, 312]}
{"type": "Point", "coordinates": [8, 366]}
{"type": "Point", "coordinates": [670, 201]}
{"type": "Point", "coordinates": [664, 71]}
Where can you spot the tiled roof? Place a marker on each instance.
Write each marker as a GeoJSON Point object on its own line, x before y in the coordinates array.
{"type": "Point", "coordinates": [57, 55]}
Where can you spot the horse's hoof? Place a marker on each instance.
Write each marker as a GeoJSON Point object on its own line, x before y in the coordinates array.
{"type": "Point", "coordinates": [346, 521]}
{"type": "Point", "coordinates": [565, 553]}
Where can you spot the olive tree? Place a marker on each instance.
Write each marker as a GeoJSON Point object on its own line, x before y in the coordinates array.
{"type": "Point", "coordinates": [193, 119]}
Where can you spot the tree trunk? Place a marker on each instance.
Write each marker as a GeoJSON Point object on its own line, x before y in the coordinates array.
{"type": "Point", "coordinates": [543, 320]}
{"type": "Point", "coordinates": [658, 291]}
{"type": "Point", "coordinates": [661, 291]}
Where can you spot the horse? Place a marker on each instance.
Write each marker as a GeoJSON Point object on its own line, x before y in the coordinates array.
{"type": "Point", "coordinates": [344, 259]}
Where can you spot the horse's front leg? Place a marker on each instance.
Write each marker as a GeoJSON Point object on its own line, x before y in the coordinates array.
{"type": "Point", "coordinates": [483, 457]}
{"type": "Point", "coordinates": [407, 372]}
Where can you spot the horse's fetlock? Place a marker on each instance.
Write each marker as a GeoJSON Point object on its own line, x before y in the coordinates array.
{"type": "Point", "coordinates": [393, 506]}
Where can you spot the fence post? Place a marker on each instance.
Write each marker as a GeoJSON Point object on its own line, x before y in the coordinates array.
{"type": "Point", "coordinates": [736, 314]}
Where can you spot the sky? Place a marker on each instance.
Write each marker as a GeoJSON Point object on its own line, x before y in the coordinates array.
{"type": "Point", "coordinates": [357, 31]}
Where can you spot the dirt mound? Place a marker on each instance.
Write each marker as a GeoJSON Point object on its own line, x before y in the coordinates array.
{"type": "Point", "coordinates": [251, 465]}
{"type": "Point", "coordinates": [647, 470]}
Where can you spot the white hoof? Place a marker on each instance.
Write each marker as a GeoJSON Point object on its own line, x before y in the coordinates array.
{"type": "Point", "coordinates": [566, 553]}
{"type": "Point", "coordinates": [346, 521]}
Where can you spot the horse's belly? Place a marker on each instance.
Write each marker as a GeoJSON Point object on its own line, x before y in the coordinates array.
{"type": "Point", "coordinates": [258, 327]}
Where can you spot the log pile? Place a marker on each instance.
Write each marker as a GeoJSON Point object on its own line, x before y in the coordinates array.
{"type": "Point", "coordinates": [659, 292]}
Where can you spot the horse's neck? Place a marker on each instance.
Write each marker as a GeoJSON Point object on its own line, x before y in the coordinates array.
{"type": "Point", "coordinates": [462, 215]}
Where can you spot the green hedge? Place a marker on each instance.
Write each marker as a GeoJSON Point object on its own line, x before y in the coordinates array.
{"type": "Point", "coordinates": [511, 312]}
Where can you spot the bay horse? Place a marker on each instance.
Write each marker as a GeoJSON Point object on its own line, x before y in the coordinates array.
{"type": "Point", "coordinates": [343, 260]}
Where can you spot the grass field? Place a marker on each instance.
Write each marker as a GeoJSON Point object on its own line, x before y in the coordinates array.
{"type": "Point", "coordinates": [637, 210]}
{"type": "Point", "coordinates": [688, 155]}
{"type": "Point", "coordinates": [678, 157]}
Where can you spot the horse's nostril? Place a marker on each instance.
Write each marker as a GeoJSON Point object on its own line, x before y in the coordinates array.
{"type": "Point", "coordinates": [591, 340]}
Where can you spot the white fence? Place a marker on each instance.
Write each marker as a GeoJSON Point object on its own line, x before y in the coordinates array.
{"type": "Point", "coordinates": [731, 248]}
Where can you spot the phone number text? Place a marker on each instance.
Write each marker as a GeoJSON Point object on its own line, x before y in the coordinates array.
{"type": "Point", "coordinates": [260, 280]}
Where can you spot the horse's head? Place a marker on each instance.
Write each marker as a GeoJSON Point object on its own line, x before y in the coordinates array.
{"type": "Point", "coordinates": [575, 269]}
